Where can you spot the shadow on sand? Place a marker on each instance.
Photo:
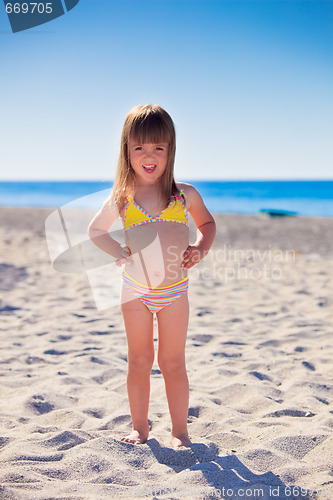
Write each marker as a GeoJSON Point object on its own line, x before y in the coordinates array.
{"type": "Point", "coordinates": [226, 475]}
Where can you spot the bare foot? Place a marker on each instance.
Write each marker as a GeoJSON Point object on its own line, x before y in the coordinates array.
{"type": "Point", "coordinates": [135, 437]}
{"type": "Point", "coordinates": [180, 440]}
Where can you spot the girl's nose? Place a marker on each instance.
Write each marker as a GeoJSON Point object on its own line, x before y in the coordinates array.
{"type": "Point", "coordinates": [150, 155]}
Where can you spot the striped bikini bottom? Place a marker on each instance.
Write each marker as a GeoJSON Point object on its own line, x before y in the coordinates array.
{"type": "Point", "coordinates": [155, 298]}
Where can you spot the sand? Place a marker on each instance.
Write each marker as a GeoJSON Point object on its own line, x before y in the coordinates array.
{"type": "Point", "coordinates": [259, 359]}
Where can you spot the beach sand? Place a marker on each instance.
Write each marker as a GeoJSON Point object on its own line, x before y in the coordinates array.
{"type": "Point", "coordinates": [259, 359]}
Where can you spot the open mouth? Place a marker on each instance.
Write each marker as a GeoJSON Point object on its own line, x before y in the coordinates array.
{"type": "Point", "coordinates": [149, 168]}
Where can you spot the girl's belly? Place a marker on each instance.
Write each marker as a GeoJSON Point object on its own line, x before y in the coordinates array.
{"type": "Point", "coordinates": [157, 250]}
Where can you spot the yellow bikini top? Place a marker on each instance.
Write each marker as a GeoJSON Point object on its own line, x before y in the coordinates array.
{"type": "Point", "coordinates": [134, 215]}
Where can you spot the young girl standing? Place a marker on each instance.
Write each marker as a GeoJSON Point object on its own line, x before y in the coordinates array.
{"type": "Point", "coordinates": [154, 209]}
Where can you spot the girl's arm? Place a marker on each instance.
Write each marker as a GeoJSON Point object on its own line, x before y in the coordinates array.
{"type": "Point", "coordinates": [98, 231]}
{"type": "Point", "coordinates": [206, 228]}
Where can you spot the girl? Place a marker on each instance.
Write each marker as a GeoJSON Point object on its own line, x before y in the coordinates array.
{"type": "Point", "coordinates": [154, 209]}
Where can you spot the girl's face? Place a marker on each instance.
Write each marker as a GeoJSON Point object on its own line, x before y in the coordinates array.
{"type": "Point", "coordinates": [148, 160]}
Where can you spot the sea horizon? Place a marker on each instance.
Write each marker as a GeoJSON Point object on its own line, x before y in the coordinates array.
{"type": "Point", "coordinates": [304, 197]}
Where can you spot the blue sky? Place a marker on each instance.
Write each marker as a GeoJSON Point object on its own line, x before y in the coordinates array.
{"type": "Point", "coordinates": [248, 84]}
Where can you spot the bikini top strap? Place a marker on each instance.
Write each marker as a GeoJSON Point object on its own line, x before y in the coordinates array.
{"type": "Point", "coordinates": [130, 196]}
{"type": "Point", "coordinates": [181, 197]}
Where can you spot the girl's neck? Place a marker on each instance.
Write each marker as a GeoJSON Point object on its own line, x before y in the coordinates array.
{"type": "Point", "coordinates": [145, 187]}
{"type": "Point", "coordinates": [147, 191]}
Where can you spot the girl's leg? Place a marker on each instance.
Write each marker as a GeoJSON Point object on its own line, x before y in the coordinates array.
{"type": "Point", "coordinates": [140, 340]}
{"type": "Point", "coordinates": [172, 330]}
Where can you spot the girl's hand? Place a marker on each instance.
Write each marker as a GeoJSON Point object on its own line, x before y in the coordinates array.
{"type": "Point", "coordinates": [125, 257]}
{"type": "Point", "coordinates": [192, 255]}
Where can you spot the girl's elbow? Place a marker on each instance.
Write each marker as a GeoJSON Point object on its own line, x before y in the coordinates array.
{"type": "Point", "coordinates": [92, 231]}
{"type": "Point", "coordinates": [211, 224]}
{"type": "Point", "coordinates": [211, 229]}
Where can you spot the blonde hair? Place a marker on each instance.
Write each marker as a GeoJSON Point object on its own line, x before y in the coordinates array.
{"type": "Point", "coordinates": [146, 124]}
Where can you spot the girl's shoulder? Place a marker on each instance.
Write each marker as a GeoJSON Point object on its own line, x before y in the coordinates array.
{"type": "Point", "coordinates": [118, 201]}
{"type": "Point", "coordinates": [190, 193]}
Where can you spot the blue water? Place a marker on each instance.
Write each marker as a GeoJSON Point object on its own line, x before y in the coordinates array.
{"type": "Point", "coordinates": [307, 198]}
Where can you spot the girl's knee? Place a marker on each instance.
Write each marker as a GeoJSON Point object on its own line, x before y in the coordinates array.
{"type": "Point", "coordinates": [172, 365]}
{"type": "Point", "coordinates": [140, 362]}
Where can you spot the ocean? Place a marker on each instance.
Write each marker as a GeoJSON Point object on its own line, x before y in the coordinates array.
{"type": "Point", "coordinates": [305, 198]}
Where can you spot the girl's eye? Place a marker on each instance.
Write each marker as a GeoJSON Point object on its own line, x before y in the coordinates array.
{"type": "Point", "coordinates": [138, 148]}
{"type": "Point", "coordinates": [160, 149]}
